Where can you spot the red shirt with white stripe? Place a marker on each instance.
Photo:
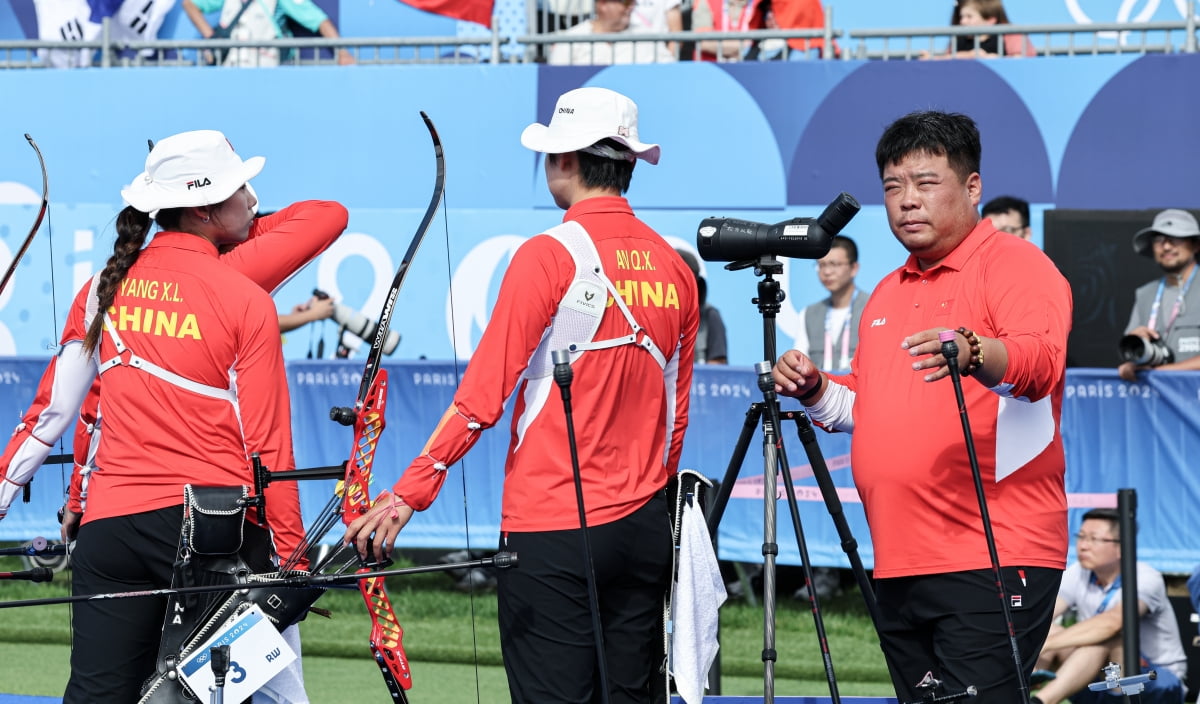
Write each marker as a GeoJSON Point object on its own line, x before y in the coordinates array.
{"type": "Point", "coordinates": [279, 245]}
{"type": "Point", "coordinates": [908, 452]}
{"type": "Point", "coordinates": [629, 414]}
{"type": "Point", "coordinates": [183, 310]}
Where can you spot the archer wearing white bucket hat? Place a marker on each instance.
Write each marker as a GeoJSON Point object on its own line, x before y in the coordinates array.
{"type": "Point", "coordinates": [190, 169]}
{"type": "Point", "coordinates": [606, 286]}
{"type": "Point", "coordinates": [186, 336]}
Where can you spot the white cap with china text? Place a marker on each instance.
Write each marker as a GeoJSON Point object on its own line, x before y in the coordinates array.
{"type": "Point", "coordinates": [585, 116]}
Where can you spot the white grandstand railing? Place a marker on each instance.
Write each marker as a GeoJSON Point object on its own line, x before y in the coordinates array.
{"type": "Point", "coordinates": [878, 44]}
{"type": "Point", "coordinates": [1046, 39]}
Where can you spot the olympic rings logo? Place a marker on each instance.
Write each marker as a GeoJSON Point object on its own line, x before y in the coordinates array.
{"type": "Point", "coordinates": [1125, 13]}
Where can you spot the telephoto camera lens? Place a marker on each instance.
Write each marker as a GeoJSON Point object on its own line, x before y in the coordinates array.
{"type": "Point", "coordinates": [363, 327]}
{"type": "Point", "coordinates": [1143, 352]}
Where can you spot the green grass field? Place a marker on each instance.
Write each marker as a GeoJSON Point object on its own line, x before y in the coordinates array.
{"type": "Point", "coordinates": [453, 643]}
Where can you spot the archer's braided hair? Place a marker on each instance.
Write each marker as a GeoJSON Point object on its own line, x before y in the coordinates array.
{"type": "Point", "coordinates": [132, 228]}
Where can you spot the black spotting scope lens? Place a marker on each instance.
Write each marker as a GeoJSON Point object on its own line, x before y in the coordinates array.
{"type": "Point", "coordinates": [732, 240]}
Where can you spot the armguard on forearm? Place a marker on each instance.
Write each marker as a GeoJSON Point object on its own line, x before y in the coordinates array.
{"type": "Point", "coordinates": [454, 436]}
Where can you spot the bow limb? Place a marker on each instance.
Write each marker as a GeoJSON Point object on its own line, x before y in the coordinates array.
{"type": "Point", "coordinates": [37, 223]}
{"type": "Point", "coordinates": [368, 418]}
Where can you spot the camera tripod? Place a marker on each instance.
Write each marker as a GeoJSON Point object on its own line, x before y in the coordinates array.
{"type": "Point", "coordinates": [775, 463]}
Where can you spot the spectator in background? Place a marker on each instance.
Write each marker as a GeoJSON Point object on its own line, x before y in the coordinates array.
{"type": "Point", "coordinates": [829, 335]}
{"type": "Point", "coordinates": [710, 337]}
{"type": "Point", "coordinates": [1168, 309]}
{"type": "Point", "coordinates": [1092, 585]}
{"type": "Point", "coordinates": [1009, 214]}
{"type": "Point", "coordinates": [829, 330]}
{"type": "Point", "coordinates": [773, 49]}
{"type": "Point", "coordinates": [312, 310]}
{"type": "Point", "coordinates": [1193, 586]}
{"type": "Point", "coordinates": [800, 14]}
{"type": "Point", "coordinates": [657, 16]}
{"type": "Point", "coordinates": [971, 13]}
{"type": "Point", "coordinates": [744, 15]}
{"type": "Point", "coordinates": [725, 16]}
{"type": "Point", "coordinates": [611, 17]}
{"type": "Point", "coordinates": [250, 20]}
{"type": "Point", "coordinates": [132, 21]}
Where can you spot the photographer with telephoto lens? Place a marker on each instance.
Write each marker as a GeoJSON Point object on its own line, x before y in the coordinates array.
{"type": "Point", "coordinates": [1164, 327]}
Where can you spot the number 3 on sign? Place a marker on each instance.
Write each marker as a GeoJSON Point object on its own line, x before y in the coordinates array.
{"type": "Point", "coordinates": [257, 652]}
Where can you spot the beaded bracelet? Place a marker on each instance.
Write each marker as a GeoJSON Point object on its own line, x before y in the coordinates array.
{"type": "Point", "coordinates": [975, 360]}
{"type": "Point", "coordinates": [814, 390]}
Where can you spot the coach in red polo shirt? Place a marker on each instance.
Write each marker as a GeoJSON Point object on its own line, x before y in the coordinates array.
{"type": "Point", "coordinates": [938, 599]}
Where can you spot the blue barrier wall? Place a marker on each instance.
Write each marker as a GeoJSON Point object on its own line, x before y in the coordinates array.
{"type": "Point", "coordinates": [1116, 435]}
{"type": "Point", "coordinates": [764, 142]}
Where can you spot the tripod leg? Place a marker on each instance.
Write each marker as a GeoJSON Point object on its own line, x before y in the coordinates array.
{"type": "Point", "coordinates": [735, 465]}
{"type": "Point", "coordinates": [806, 564]}
{"type": "Point", "coordinates": [770, 550]}
{"type": "Point", "coordinates": [776, 462]}
{"type": "Point", "coordinates": [808, 438]}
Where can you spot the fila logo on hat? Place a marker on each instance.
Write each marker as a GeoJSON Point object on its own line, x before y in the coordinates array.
{"type": "Point", "coordinates": [190, 169]}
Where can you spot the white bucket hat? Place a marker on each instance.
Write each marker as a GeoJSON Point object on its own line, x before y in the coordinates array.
{"type": "Point", "coordinates": [1172, 222]}
{"type": "Point", "coordinates": [190, 169]}
{"type": "Point", "coordinates": [585, 116]}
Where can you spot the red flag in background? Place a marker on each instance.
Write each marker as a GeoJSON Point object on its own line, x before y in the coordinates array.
{"type": "Point", "coordinates": [471, 10]}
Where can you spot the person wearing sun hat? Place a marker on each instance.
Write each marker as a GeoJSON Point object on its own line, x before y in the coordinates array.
{"type": "Point", "coordinates": [198, 385]}
{"type": "Point", "coordinates": [1168, 308]}
{"type": "Point", "coordinates": [608, 287]}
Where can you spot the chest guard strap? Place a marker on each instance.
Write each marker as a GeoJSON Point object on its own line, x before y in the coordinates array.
{"type": "Point", "coordinates": [582, 307]}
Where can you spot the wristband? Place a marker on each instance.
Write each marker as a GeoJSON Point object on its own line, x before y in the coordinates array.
{"type": "Point", "coordinates": [975, 358]}
{"type": "Point", "coordinates": [814, 390]}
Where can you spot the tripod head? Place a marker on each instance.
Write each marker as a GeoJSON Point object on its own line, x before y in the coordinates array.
{"type": "Point", "coordinates": [770, 295]}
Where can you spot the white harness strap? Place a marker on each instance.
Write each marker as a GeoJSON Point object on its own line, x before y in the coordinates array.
{"type": "Point", "coordinates": [227, 394]}
{"type": "Point", "coordinates": [579, 312]}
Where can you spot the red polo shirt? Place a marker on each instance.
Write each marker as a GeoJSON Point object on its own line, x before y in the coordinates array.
{"type": "Point", "coordinates": [908, 452]}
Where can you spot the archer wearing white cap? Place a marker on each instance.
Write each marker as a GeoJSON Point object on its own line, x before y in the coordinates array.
{"type": "Point", "coordinates": [607, 287]}
{"type": "Point", "coordinates": [1167, 309]}
{"type": "Point", "coordinates": [193, 382]}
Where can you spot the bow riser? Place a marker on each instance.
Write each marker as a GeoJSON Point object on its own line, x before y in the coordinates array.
{"type": "Point", "coordinates": [386, 633]}
{"type": "Point", "coordinates": [386, 637]}
{"type": "Point", "coordinates": [356, 490]}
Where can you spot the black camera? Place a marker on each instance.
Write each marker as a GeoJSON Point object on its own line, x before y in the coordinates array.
{"type": "Point", "coordinates": [730, 240]}
{"type": "Point", "coordinates": [1143, 352]}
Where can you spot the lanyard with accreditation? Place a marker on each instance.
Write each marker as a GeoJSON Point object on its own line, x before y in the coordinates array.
{"type": "Point", "coordinates": [844, 358]}
{"type": "Point", "coordinates": [1174, 309]}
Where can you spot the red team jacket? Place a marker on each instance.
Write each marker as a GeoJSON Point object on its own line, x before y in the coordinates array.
{"type": "Point", "coordinates": [194, 312]}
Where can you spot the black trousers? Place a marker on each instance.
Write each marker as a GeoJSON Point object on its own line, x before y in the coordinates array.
{"type": "Point", "coordinates": [546, 630]}
{"type": "Point", "coordinates": [115, 642]}
{"type": "Point", "coordinates": [952, 626]}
